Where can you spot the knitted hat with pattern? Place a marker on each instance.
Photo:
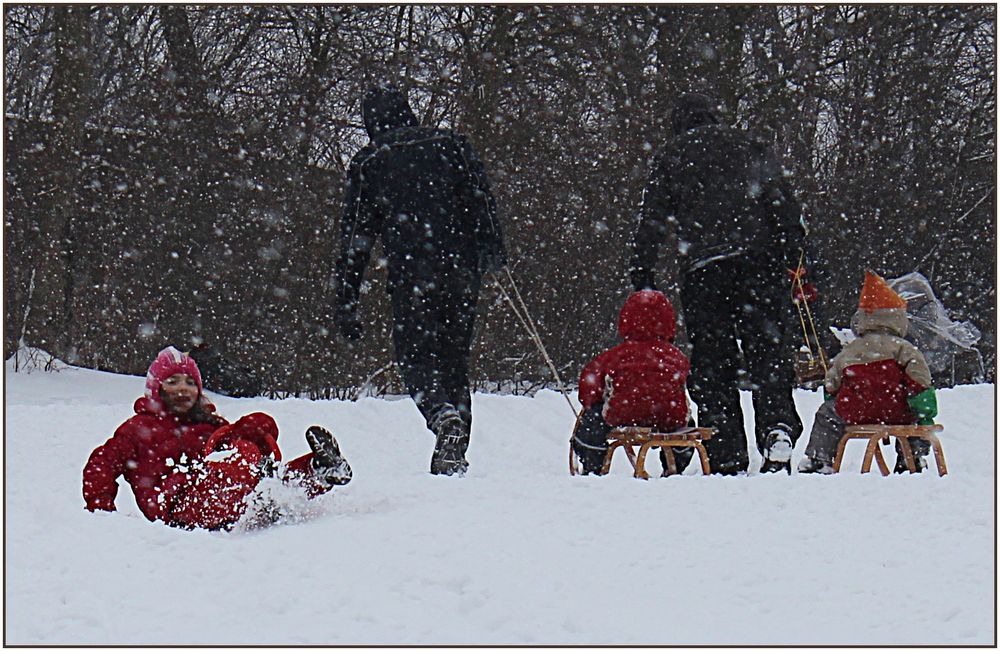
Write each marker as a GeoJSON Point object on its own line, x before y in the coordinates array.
{"type": "Point", "coordinates": [168, 362]}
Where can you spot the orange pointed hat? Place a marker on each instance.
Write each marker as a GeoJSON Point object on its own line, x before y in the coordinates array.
{"type": "Point", "coordinates": [877, 295]}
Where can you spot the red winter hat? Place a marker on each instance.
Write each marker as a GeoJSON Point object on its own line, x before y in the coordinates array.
{"type": "Point", "coordinates": [647, 315]}
{"type": "Point", "coordinates": [877, 295]}
{"type": "Point", "coordinates": [169, 361]}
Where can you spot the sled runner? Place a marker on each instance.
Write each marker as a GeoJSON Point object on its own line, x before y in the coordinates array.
{"type": "Point", "coordinates": [875, 433]}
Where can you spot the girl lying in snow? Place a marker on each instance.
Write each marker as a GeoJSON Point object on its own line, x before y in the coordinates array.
{"type": "Point", "coordinates": [190, 468]}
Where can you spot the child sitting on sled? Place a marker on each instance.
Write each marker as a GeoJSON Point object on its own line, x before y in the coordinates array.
{"type": "Point", "coordinates": [639, 382]}
{"type": "Point", "coordinates": [879, 378]}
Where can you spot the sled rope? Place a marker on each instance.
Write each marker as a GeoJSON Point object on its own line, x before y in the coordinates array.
{"type": "Point", "coordinates": [529, 326]}
{"type": "Point", "coordinates": [805, 333]}
{"type": "Point", "coordinates": [804, 304]}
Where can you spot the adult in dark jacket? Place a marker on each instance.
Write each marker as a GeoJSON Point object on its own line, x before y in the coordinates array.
{"type": "Point", "coordinates": [422, 191]}
{"type": "Point", "coordinates": [734, 228]}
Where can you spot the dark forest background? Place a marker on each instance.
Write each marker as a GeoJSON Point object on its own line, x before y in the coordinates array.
{"type": "Point", "coordinates": [172, 174]}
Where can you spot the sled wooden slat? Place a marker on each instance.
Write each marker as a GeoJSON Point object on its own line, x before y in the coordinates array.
{"type": "Point", "coordinates": [877, 433]}
{"type": "Point", "coordinates": [646, 439]}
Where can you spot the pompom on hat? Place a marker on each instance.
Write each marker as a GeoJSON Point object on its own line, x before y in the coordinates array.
{"type": "Point", "coordinates": [168, 362]}
{"type": "Point", "coordinates": [877, 295]}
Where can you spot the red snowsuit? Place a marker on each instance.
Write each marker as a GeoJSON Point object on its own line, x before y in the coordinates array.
{"type": "Point", "coordinates": [642, 379]}
{"type": "Point", "coordinates": [162, 458]}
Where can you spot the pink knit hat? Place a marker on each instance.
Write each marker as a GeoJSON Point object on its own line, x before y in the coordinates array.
{"type": "Point", "coordinates": [169, 362]}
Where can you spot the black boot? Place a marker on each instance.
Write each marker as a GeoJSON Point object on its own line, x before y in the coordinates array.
{"type": "Point", "coordinates": [777, 450]}
{"type": "Point", "coordinates": [591, 457]}
{"type": "Point", "coordinates": [590, 440]}
{"type": "Point", "coordinates": [682, 457]}
{"type": "Point", "coordinates": [920, 449]}
{"type": "Point", "coordinates": [815, 466]}
{"type": "Point", "coordinates": [451, 444]}
{"type": "Point", "coordinates": [327, 462]}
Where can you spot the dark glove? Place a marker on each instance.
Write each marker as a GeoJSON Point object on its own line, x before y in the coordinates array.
{"type": "Point", "coordinates": [348, 323]}
{"type": "Point", "coordinates": [492, 261]}
{"type": "Point", "coordinates": [642, 279]}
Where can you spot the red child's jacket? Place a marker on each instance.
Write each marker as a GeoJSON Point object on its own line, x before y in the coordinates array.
{"type": "Point", "coordinates": [162, 457]}
{"type": "Point", "coordinates": [873, 376]}
{"type": "Point", "coordinates": [641, 380]}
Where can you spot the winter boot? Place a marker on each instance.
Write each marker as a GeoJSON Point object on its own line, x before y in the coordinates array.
{"type": "Point", "coordinates": [777, 451]}
{"type": "Point", "coordinates": [682, 457]}
{"type": "Point", "coordinates": [815, 466]}
{"type": "Point", "coordinates": [590, 440]}
{"type": "Point", "coordinates": [920, 449]}
{"type": "Point", "coordinates": [452, 442]}
{"type": "Point", "coordinates": [591, 457]}
{"type": "Point", "coordinates": [327, 462]}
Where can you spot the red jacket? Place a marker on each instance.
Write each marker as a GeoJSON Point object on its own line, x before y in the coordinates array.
{"type": "Point", "coordinates": [873, 376]}
{"type": "Point", "coordinates": [162, 458]}
{"type": "Point", "coordinates": [876, 392]}
{"type": "Point", "coordinates": [641, 380]}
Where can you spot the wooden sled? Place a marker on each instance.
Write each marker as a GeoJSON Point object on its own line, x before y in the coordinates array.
{"type": "Point", "coordinates": [646, 439]}
{"type": "Point", "coordinates": [876, 433]}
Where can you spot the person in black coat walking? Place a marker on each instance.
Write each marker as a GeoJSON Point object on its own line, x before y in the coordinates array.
{"type": "Point", "coordinates": [423, 191]}
{"type": "Point", "coordinates": [722, 203]}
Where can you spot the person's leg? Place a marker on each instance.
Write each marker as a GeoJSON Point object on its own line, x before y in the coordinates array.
{"type": "Point", "coordinates": [258, 428]}
{"type": "Point", "coordinates": [827, 430]}
{"type": "Point", "coordinates": [432, 333]}
{"type": "Point", "coordinates": [767, 336]}
{"type": "Point", "coordinates": [457, 312]}
{"type": "Point", "coordinates": [458, 316]}
{"type": "Point", "coordinates": [590, 442]}
{"type": "Point", "coordinates": [708, 314]}
{"type": "Point", "coordinates": [414, 334]}
{"type": "Point", "coordinates": [324, 467]}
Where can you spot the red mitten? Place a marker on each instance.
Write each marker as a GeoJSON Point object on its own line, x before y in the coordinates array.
{"type": "Point", "coordinates": [258, 428]}
{"type": "Point", "coordinates": [802, 289]}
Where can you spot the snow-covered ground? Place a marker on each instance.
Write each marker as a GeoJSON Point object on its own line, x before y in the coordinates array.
{"type": "Point", "coordinates": [517, 552]}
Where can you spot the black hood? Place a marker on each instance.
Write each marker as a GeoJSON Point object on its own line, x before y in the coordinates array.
{"type": "Point", "coordinates": [692, 110]}
{"type": "Point", "coordinates": [385, 108]}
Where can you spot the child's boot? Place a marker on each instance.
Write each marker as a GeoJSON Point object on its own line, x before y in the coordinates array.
{"type": "Point", "coordinates": [327, 462]}
{"type": "Point", "coordinates": [815, 466]}
{"type": "Point", "coordinates": [920, 449]}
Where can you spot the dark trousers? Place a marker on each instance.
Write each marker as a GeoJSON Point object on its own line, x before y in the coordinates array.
{"type": "Point", "coordinates": [740, 303]}
{"type": "Point", "coordinates": [432, 334]}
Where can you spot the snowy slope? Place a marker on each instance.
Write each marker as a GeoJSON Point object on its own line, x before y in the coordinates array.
{"type": "Point", "coordinates": [517, 552]}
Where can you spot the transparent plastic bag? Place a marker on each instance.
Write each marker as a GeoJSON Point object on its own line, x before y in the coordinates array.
{"type": "Point", "coordinates": [930, 327]}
